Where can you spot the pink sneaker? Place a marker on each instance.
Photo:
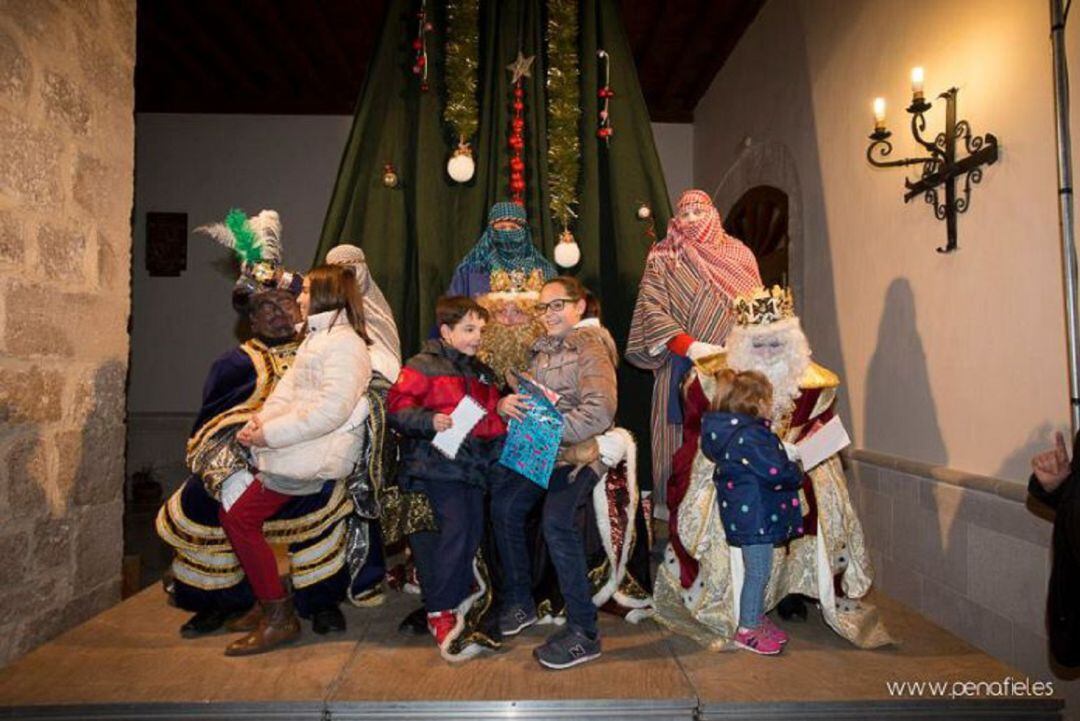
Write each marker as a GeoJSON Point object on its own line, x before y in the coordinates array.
{"type": "Point", "coordinates": [758, 641]}
{"type": "Point", "coordinates": [773, 631]}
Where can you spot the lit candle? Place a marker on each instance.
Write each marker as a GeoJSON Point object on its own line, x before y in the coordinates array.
{"type": "Point", "coordinates": [917, 82]}
{"type": "Point", "coordinates": [879, 113]}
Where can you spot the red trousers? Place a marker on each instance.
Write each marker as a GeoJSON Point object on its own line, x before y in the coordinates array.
{"type": "Point", "coordinates": [243, 526]}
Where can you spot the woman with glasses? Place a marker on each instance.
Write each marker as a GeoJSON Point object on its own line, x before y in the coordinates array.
{"type": "Point", "coordinates": [575, 361]}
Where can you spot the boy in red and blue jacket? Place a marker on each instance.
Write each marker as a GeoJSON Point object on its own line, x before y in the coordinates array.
{"type": "Point", "coordinates": [419, 405]}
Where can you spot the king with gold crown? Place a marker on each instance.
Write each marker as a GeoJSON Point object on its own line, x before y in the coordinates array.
{"type": "Point", "coordinates": [698, 583]}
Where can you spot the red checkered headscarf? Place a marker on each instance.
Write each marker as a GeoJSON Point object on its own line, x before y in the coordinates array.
{"type": "Point", "coordinates": [723, 260]}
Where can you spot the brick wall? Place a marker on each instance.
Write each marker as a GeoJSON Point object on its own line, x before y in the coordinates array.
{"type": "Point", "coordinates": [66, 183]}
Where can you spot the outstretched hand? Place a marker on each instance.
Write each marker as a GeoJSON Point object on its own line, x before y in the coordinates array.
{"type": "Point", "coordinates": [1052, 467]}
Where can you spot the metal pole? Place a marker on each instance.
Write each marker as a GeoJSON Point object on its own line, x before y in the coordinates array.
{"type": "Point", "coordinates": [1065, 202]}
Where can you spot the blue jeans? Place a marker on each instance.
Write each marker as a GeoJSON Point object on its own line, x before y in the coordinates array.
{"type": "Point", "coordinates": [757, 559]}
{"type": "Point", "coordinates": [444, 558]}
{"type": "Point", "coordinates": [512, 497]}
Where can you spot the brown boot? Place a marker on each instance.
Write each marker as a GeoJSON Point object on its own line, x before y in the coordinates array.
{"type": "Point", "coordinates": [278, 625]}
{"type": "Point", "coordinates": [247, 622]}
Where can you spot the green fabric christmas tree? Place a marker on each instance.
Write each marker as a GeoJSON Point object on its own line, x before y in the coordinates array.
{"type": "Point", "coordinates": [415, 233]}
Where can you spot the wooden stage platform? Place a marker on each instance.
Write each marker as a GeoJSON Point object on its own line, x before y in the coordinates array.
{"type": "Point", "coordinates": [130, 663]}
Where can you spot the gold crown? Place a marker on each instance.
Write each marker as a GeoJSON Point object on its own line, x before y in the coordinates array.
{"type": "Point", "coordinates": [763, 307]}
{"type": "Point", "coordinates": [517, 281]}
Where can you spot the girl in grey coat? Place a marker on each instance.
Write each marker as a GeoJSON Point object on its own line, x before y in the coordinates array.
{"type": "Point", "coordinates": [576, 361]}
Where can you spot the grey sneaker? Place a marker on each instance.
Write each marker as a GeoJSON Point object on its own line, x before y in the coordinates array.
{"type": "Point", "coordinates": [514, 619]}
{"type": "Point", "coordinates": [569, 647]}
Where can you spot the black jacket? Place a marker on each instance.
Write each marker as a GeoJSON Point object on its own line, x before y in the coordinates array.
{"type": "Point", "coordinates": [1063, 599]}
{"type": "Point", "coordinates": [434, 381]}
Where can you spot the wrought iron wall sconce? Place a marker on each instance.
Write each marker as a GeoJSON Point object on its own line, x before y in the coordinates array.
{"type": "Point", "coordinates": [941, 166]}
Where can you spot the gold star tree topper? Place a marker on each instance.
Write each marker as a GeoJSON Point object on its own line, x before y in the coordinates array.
{"type": "Point", "coordinates": [520, 67]}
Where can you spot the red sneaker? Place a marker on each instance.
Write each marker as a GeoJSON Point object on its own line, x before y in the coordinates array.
{"type": "Point", "coordinates": [757, 641]}
{"type": "Point", "coordinates": [773, 631]}
{"type": "Point", "coordinates": [441, 623]}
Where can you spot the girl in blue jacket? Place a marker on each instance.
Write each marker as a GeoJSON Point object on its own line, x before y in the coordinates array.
{"type": "Point", "coordinates": [758, 491]}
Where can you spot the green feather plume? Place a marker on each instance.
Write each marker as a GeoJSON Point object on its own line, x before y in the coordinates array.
{"type": "Point", "coordinates": [247, 247]}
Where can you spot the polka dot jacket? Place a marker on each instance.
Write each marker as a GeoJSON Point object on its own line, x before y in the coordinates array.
{"type": "Point", "coordinates": [757, 486]}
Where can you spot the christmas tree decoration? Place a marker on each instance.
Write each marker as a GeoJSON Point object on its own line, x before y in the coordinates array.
{"type": "Point", "coordinates": [461, 167]}
{"type": "Point", "coordinates": [567, 252]}
{"type": "Point", "coordinates": [390, 176]}
{"type": "Point", "coordinates": [563, 121]}
{"type": "Point", "coordinates": [645, 215]}
{"type": "Point", "coordinates": [605, 94]}
{"type": "Point", "coordinates": [462, 112]}
{"type": "Point", "coordinates": [419, 45]}
{"type": "Point", "coordinates": [519, 70]}
{"type": "Point", "coordinates": [416, 234]}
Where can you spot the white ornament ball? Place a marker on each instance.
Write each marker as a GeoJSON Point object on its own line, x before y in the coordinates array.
{"type": "Point", "coordinates": [567, 253]}
{"type": "Point", "coordinates": [461, 167]}
{"type": "Point", "coordinates": [644, 212]}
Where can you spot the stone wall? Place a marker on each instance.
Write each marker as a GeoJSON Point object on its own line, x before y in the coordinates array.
{"type": "Point", "coordinates": [66, 183]}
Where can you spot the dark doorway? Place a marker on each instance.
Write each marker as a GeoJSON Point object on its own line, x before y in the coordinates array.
{"type": "Point", "coordinates": [760, 219]}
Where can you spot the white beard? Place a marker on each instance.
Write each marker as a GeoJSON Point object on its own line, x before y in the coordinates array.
{"type": "Point", "coordinates": [780, 351]}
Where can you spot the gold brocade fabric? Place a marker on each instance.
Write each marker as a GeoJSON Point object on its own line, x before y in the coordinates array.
{"type": "Point", "coordinates": [473, 609]}
{"type": "Point", "coordinates": [212, 452]}
{"type": "Point", "coordinates": [404, 512]}
{"type": "Point", "coordinates": [706, 611]}
{"type": "Point", "coordinates": [205, 559]}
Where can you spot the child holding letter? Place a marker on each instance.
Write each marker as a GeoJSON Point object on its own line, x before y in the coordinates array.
{"type": "Point", "coordinates": [420, 404]}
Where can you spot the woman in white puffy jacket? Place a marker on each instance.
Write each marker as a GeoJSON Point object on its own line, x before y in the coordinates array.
{"type": "Point", "coordinates": [310, 430]}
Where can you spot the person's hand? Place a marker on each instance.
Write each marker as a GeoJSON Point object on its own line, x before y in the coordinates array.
{"type": "Point", "coordinates": [514, 406]}
{"type": "Point", "coordinates": [252, 433]}
{"type": "Point", "coordinates": [442, 422]}
{"type": "Point", "coordinates": [1052, 467]}
{"type": "Point", "coordinates": [698, 349]}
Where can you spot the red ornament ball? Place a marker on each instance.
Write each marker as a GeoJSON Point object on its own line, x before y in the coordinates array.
{"type": "Point", "coordinates": [417, 44]}
{"type": "Point", "coordinates": [518, 106]}
{"type": "Point", "coordinates": [519, 92]}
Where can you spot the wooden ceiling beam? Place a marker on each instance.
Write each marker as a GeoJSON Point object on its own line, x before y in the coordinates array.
{"type": "Point", "coordinates": [310, 56]}
{"type": "Point", "coordinates": [206, 45]}
{"type": "Point", "coordinates": [330, 40]}
{"type": "Point", "coordinates": [285, 38]}
{"type": "Point", "coordinates": [157, 91]}
{"type": "Point", "coordinates": [711, 59]}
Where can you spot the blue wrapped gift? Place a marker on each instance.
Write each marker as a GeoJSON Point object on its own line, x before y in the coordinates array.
{"type": "Point", "coordinates": [532, 444]}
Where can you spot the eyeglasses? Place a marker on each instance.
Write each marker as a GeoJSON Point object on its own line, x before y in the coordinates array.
{"type": "Point", "coordinates": [555, 306]}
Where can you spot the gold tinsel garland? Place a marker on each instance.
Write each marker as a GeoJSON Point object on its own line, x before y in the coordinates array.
{"type": "Point", "coordinates": [462, 62]}
{"type": "Point", "coordinates": [563, 109]}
